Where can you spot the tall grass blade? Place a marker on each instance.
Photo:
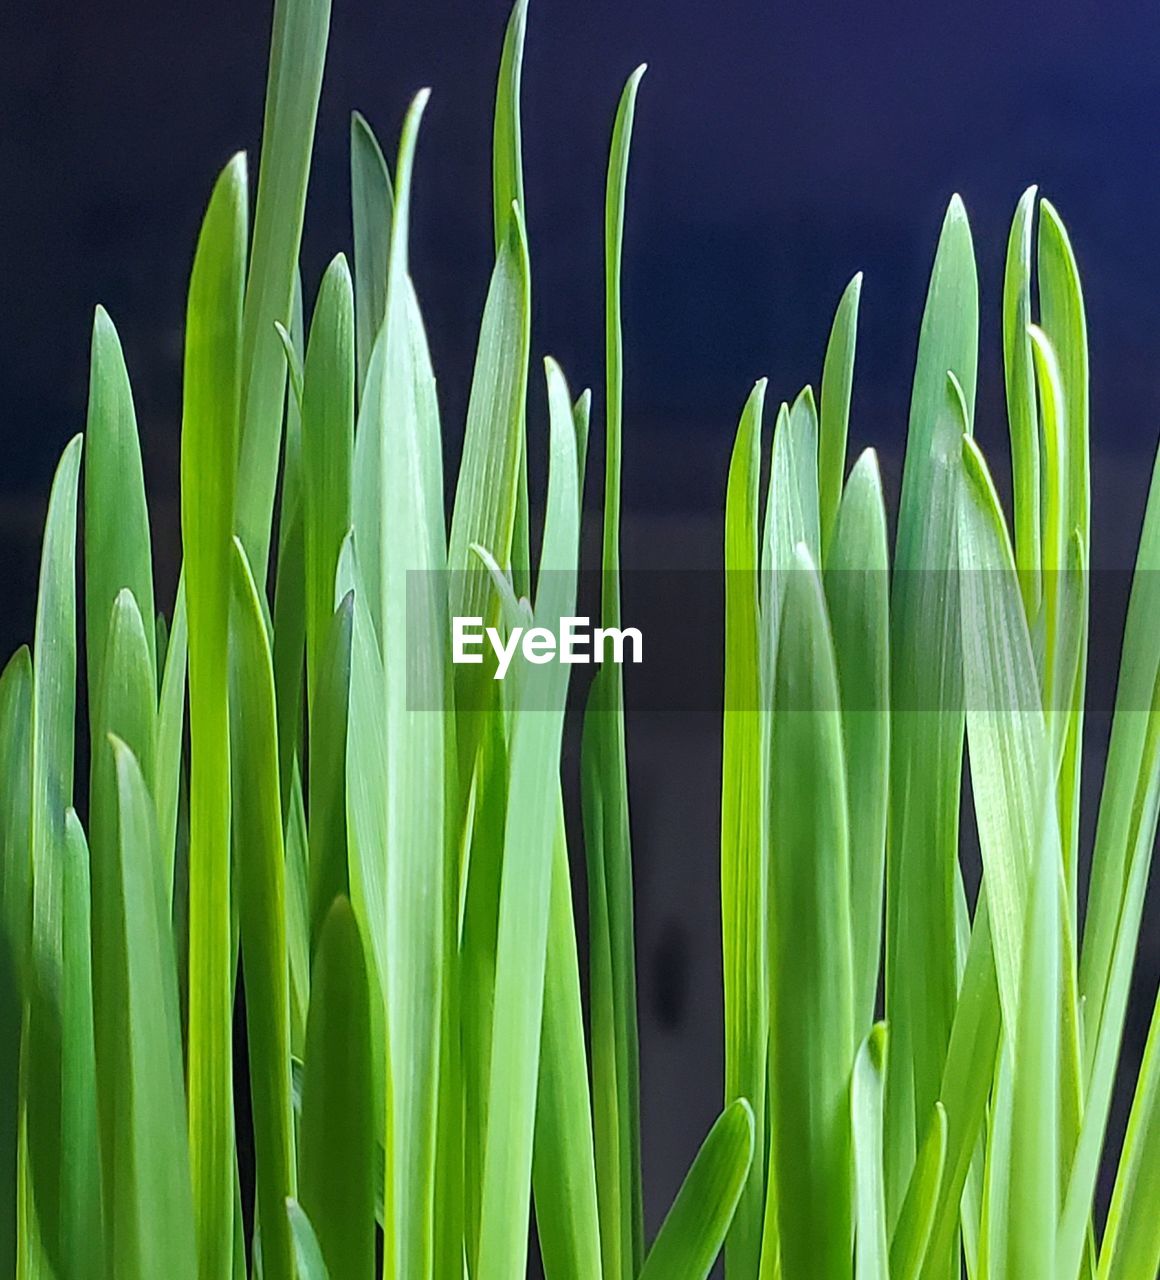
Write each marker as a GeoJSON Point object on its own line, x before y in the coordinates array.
{"type": "Point", "coordinates": [372, 205]}
{"type": "Point", "coordinates": [171, 735]}
{"type": "Point", "coordinates": [911, 1239]}
{"type": "Point", "coordinates": [871, 1252]}
{"type": "Point", "coordinates": [837, 385]}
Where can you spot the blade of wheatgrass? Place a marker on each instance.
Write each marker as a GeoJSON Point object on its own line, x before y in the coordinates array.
{"type": "Point", "coordinates": [1144, 811]}
{"type": "Point", "coordinates": [871, 1252]}
{"type": "Point", "coordinates": [997, 1168]}
{"type": "Point", "coordinates": [563, 1160]}
{"type": "Point", "coordinates": [1131, 1244]}
{"type": "Point", "coordinates": [743, 907]}
{"type": "Point", "coordinates": [297, 54]}
{"type": "Point", "coordinates": [1032, 1188]}
{"type": "Point", "coordinates": [150, 1195]}
{"type": "Point", "coordinates": [857, 592]}
{"type": "Point", "coordinates": [208, 443]}
{"type": "Point", "coordinates": [307, 1251]}
{"type": "Point", "coordinates": [1022, 404]}
{"type": "Point", "coordinates": [171, 736]}
{"type": "Point", "coordinates": [507, 185]}
{"type": "Point", "coordinates": [1062, 319]}
{"type": "Point", "coordinates": [297, 877]}
{"type": "Point", "coordinates": [411, 700]}
{"type": "Point", "coordinates": [262, 895]}
{"type": "Point", "coordinates": [82, 1238]}
{"type": "Point", "coordinates": [811, 978]}
{"type": "Point", "coordinates": [927, 709]}
{"type": "Point", "coordinates": [53, 726]}
{"type": "Point", "coordinates": [118, 550]}
{"type": "Point", "coordinates": [327, 451]}
{"type": "Point", "coordinates": [366, 489]}
{"type": "Point", "coordinates": [791, 508]}
{"type": "Point", "coordinates": [372, 205]}
{"type": "Point", "coordinates": [694, 1229]}
{"type": "Point", "coordinates": [1132, 758]}
{"type": "Point", "coordinates": [124, 706]}
{"type": "Point", "coordinates": [328, 740]}
{"type": "Point", "coordinates": [336, 1145]}
{"type": "Point", "coordinates": [911, 1239]}
{"type": "Point", "coordinates": [525, 890]}
{"type": "Point", "coordinates": [837, 385]}
{"type": "Point", "coordinates": [15, 920]}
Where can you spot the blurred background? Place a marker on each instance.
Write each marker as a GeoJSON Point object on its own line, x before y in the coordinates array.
{"type": "Point", "coordinates": [778, 149]}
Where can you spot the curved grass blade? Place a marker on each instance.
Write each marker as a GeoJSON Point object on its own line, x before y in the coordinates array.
{"type": "Point", "coordinates": [837, 384]}
{"type": "Point", "coordinates": [337, 1147]}
{"type": "Point", "coordinates": [871, 1253]}
{"type": "Point", "coordinates": [527, 873]}
{"type": "Point", "coordinates": [209, 440]}
{"type": "Point", "coordinates": [857, 592]}
{"type": "Point", "coordinates": [743, 876]}
{"type": "Point", "coordinates": [372, 208]}
{"type": "Point", "coordinates": [150, 1196]}
{"type": "Point", "coordinates": [297, 53]}
{"type": "Point", "coordinates": [261, 899]}
{"type": "Point", "coordinates": [908, 1247]}
{"type": "Point", "coordinates": [811, 979]}
{"type": "Point", "coordinates": [927, 707]}
{"type": "Point", "coordinates": [307, 1252]}
{"type": "Point", "coordinates": [791, 508]}
{"type": "Point", "coordinates": [171, 735]}
{"type": "Point", "coordinates": [118, 550]}
{"type": "Point", "coordinates": [694, 1229]}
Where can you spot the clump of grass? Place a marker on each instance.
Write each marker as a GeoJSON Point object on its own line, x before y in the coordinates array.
{"type": "Point", "coordinates": [271, 795]}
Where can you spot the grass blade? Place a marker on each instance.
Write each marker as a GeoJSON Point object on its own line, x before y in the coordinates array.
{"type": "Point", "coordinates": [837, 384]}
{"type": "Point", "coordinates": [337, 1147]}
{"type": "Point", "coordinates": [307, 1252]}
{"type": "Point", "coordinates": [908, 1247]}
{"type": "Point", "coordinates": [208, 441]}
{"type": "Point", "coordinates": [372, 208]}
{"type": "Point", "coordinates": [171, 735]}
{"type": "Point", "coordinates": [871, 1257]}
{"type": "Point", "coordinates": [695, 1227]}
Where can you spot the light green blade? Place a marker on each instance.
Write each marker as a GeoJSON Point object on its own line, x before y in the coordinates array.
{"type": "Point", "coordinates": [927, 708]}
{"type": "Point", "coordinates": [372, 206]}
{"type": "Point", "coordinates": [837, 384]}
{"type": "Point", "coordinates": [209, 437]}
{"type": "Point", "coordinates": [150, 1196]}
{"type": "Point", "coordinates": [297, 53]}
{"type": "Point", "coordinates": [743, 876]}
{"type": "Point", "coordinates": [525, 890]}
{"type": "Point", "coordinates": [1022, 405]}
{"type": "Point", "coordinates": [118, 550]}
{"type": "Point", "coordinates": [871, 1256]}
{"type": "Point", "coordinates": [337, 1148]}
{"type": "Point", "coordinates": [53, 726]}
{"type": "Point", "coordinates": [694, 1229]}
{"type": "Point", "coordinates": [910, 1242]}
{"type": "Point", "coordinates": [857, 592]}
{"type": "Point", "coordinates": [327, 452]}
{"type": "Point", "coordinates": [307, 1251]}
{"type": "Point", "coordinates": [261, 889]}
{"type": "Point", "coordinates": [171, 735]}
{"type": "Point", "coordinates": [811, 979]}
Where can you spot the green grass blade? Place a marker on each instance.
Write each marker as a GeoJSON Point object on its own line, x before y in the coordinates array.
{"type": "Point", "coordinates": [927, 715]}
{"type": "Point", "coordinates": [208, 441]}
{"type": "Point", "coordinates": [811, 997]}
{"type": "Point", "coordinates": [297, 53]}
{"type": "Point", "coordinates": [743, 876]}
{"type": "Point", "coordinates": [15, 923]}
{"type": "Point", "coordinates": [150, 1195]}
{"type": "Point", "coordinates": [911, 1239]}
{"type": "Point", "coordinates": [563, 1161]}
{"type": "Point", "coordinates": [694, 1229]}
{"type": "Point", "coordinates": [1022, 405]}
{"type": "Point", "coordinates": [337, 1147]}
{"type": "Point", "coordinates": [118, 550]}
{"type": "Point", "coordinates": [1033, 1183]}
{"type": "Point", "coordinates": [1131, 1245]}
{"type": "Point", "coordinates": [261, 898]}
{"type": "Point", "coordinates": [171, 735]}
{"type": "Point", "coordinates": [837, 384]}
{"type": "Point", "coordinates": [307, 1251]}
{"type": "Point", "coordinates": [525, 890]}
{"type": "Point", "coordinates": [372, 208]}
{"type": "Point", "coordinates": [871, 1257]}
{"type": "Point", "coordinates": [53, 728]}
{"type": "Point", "coordinates": [327, 452]}
{"type": "Point", "coordinates": [857, 592]}
{"type": "Point", "coordinates": [297, 843]}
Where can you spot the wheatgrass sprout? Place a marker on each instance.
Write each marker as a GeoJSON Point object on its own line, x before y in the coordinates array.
{"type": "Point", "coordinates": [301, 787]}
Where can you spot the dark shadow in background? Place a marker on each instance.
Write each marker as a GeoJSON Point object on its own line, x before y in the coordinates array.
{"type": "Point", "coordinates": [779, 149]}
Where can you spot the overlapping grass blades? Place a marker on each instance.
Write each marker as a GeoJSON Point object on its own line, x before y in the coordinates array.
{"type": "Point", "coordinates": [373, 846]}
